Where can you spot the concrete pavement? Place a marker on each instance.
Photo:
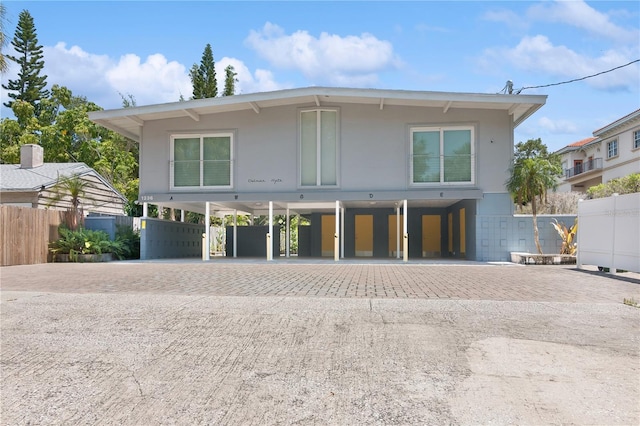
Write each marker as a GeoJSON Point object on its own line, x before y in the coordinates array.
{"type": "Point", "coordinates": [317, 343]}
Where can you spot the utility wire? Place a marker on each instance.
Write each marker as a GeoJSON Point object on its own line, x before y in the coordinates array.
{"type": "Point", "coordinates": [509, 85]}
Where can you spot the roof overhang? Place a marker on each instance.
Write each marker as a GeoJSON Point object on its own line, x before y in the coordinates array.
{"type": "Point", "coordinates": [129, 121]}
{"type": "Point", "coordinates": [609, 128]}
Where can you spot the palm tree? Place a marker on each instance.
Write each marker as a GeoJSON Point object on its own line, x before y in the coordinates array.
{"type": "Point", "coordinates": [531, 177]}
{"type": "Point", "coordinates": [74, 188]}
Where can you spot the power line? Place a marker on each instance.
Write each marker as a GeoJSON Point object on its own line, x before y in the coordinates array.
{"type": "Point", "coordinates": [509, 86]}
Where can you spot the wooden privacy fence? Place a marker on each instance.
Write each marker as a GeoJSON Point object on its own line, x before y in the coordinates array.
{"type": "Point", "coordinates": [25, 234]}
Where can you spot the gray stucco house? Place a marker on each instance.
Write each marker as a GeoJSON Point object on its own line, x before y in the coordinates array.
{"type": "Point", "coordinates": [382, 173]}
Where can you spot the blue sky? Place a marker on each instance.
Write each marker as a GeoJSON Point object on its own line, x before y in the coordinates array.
{"type": "Point", "coordinates": [102, 49]}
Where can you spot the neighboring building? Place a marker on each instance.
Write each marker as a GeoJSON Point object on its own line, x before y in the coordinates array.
{"type": "Point", "coordinates": [32, 184]}
{"type": "Point", "coordinates": [612, 152]}
{"type": "Point", "coordinates": [363, 165]}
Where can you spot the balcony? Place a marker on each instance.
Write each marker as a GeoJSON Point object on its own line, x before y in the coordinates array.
{"type": "Point", "coordinates": [585, 167]}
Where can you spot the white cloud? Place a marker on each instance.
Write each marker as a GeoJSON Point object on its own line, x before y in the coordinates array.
{"type": "Point", "coordinates": [580, 15]}
{"type": "Point", "coordinates": [101, 79]}
{"type": "Point", "coordinates": [350, 60]}
{"type": "Point", "coordinates": [153, 81]}
{"type": "Point", "coordinates": [507, 17]}
{"type": "Point", "coordinates": [538, 54]}
{"type": "Point", "coordinates": [557, 126]}
{"type": "Point", "coordinates": [248, 82]}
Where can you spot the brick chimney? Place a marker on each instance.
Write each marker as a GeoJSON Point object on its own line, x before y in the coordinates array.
{"type": "Point", "coordinates": [31, 156]}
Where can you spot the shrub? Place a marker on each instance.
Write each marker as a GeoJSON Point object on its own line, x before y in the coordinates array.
{"type": "Point", "coordinates": [84, 241]}
{"type": "Point", "coordinates": [130, 242]}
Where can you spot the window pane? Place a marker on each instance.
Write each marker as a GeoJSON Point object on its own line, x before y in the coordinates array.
{"type": "Point", "coordinates": [216, 168]}
{"type": "Point", "coordinates": [186, 165]}
{"type": "Point", "coordinates": [308, 148]}
{"type": "Point", "coordinates": [328, 148]}
{"type": "Point", "coordinates": [457, 155]}
{"type": "Point", "coordinates": [426, 157]}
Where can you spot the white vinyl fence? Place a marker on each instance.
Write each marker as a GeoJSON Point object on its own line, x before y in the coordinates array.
{"type": "Point", "coordinates": [609, 232]}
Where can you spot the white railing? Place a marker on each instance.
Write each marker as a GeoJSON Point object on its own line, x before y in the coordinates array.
{"type": "Point", "coordinates": [608, 232]}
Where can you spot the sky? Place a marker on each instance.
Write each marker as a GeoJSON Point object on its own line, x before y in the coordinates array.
{"type": "Point", "coordinates": [144, 49]}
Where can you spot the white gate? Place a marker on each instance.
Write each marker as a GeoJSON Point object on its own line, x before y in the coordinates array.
{"type": "Point", "coordinates": [609, 232]}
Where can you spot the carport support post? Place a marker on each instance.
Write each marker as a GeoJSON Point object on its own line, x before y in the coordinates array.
{"type": "Point", "coordinates": [398, 231]}
{"type": "Point", "coordinates": [288, 234]}
{"type": "Point", "coordinates": [342, 233]}
{"type": "Point", "coordinates": [235, 233]}
{"type": "Point", "coordinates": [336, 237]}
{"type": "Point", "coordinates": [269, 234]}
{"type": "Point", "coordinates": [182, 212]}
{"type": "Point", "coordinates": [405, 236]}
{"type": "Point", "coordinates": [207, 232]}
{"type": "Point", "coordinates": [145, 209]}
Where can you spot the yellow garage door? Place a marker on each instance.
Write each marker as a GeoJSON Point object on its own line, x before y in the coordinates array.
{"type": "Point", "coordinates": [393, 234]}
{"type": "Point", "coordinates": [364, 235]}
{"type": "Point", "coordinates": [431, 235]}
{"type": "Point", "coordinates": [328, 232]}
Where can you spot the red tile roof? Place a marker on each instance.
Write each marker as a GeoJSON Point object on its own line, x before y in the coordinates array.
{"type": "Point", "coordinates": [582, 142]}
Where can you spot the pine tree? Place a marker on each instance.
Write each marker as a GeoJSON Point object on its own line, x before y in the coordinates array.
{"type": "Point", "coordinates": [203, 78]}
{"type": "Point", "coordinates": [3, 39]}
{"type": "Point", "coordinates": [30, 85]}
{"type": "Point", "coordinates": [230, 81]}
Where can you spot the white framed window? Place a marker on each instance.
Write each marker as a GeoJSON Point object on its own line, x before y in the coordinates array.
{"type": "Point", "coordinates": [201, 161]}
{"type": "Point", "coordinates": [442, 155]}
{"type": "Point", "coordinates": [612, 148]}
{"type": "Point", "coordinates": [636, 139]}
{"type": "Point", "coordinates": [319, 144]}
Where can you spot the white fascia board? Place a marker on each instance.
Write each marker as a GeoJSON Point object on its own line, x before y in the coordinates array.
{"type": "Point", "coordinates": [622, 121]}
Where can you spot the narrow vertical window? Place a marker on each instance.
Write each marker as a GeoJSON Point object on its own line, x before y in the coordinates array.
{"type": "Point", "coordinates": [612, 148]}
{"type": "Point", "coordinates": [319, 148]}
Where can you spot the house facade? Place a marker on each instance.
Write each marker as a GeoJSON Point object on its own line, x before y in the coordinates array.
{"type": "Point", "coordinates": [612, 152]}
{"type": "Point", "coordinates": [32, 183]}
{"type": "Point", "coordinates": [379, 173]}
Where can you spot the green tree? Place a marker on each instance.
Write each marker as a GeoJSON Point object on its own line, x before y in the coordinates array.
{"type": "Point", "coordinates": [533, 172]}
{"type": "Point", "coordinates": [74, 189]}
{"type": "Point", "coordinates": [3, 38]}
{"type": "Point", "coordinates": [30, 85]}
{"type": "Point", "coordinates": [230, 81]}
{"type": "Point", "coordinates": [203, 77]}
{"type": "Point", "coordinates": [67, 135]}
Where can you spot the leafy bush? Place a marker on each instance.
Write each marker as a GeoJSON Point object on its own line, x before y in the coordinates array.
{"type": "Point", "coordinates": [84, 241]}
{"type": "Point", "coordinates": [624, 185]}
{"type": "Point", "coordinates": [130, 242]}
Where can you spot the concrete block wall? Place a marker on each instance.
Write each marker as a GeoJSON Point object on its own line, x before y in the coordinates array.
{"type": "Point", "coordinates": [162, 239]}
{"type": "Point", "coordinates": [497, 236]}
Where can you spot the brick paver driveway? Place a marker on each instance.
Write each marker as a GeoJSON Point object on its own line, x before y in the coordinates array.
{"type": "Point", "coordinates": [324, 278]}
{"type": "Point", "coordinates": [314, 342]}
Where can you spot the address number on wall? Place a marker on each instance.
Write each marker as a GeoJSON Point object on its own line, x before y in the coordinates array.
{"type": "Point", "coordinates": [146, 197]}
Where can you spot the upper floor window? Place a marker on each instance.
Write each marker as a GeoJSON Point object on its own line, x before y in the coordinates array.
{"type": "Point", "coordinates": [319, 147]}
{"type": "Point", "coordinates": [636, 139]}
{"type": "Point", "coordinates": [442, 155]}
{"type": "Point", "coordinates": [201, 161]}
{"type": "Point", "coordinates": [612, 148]}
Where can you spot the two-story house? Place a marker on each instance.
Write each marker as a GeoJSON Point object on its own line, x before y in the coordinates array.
{"type": "Point", "coordinates": [384, 173]}
{"type": "Point", "coordinates": [612, 152]}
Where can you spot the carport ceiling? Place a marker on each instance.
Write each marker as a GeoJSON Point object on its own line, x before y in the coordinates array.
{"type": "Point", "coordinates": [261, 208]}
